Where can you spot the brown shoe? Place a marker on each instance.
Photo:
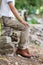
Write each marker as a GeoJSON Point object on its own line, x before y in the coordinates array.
{"type": "Point", "coordinates": [23, 53]}
{"type": "Point", "coordinates": [26, 50]}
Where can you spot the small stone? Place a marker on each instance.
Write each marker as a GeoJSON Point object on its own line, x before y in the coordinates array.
{"type": "Point", "coordinates": [16, 63]}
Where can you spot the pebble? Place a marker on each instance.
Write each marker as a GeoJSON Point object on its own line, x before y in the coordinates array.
{"type": "Point", "coordinates": [16, 63]}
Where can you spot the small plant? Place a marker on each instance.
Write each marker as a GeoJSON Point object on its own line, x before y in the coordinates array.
{"type": "Point", "coordinates": [33, 21]}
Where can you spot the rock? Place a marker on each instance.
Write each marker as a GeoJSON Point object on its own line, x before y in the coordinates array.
{"type": "Point", "coordinates": [5, 45]}
{"type": "Point", "coordinates": [3, 62]}
{"type": "Point", "coordinates": [36, 34]}
{"type": "Point", "coordinates": [2, 41]}
{"type": "Point", "coordinates": [35, 37]}
{"type": "Point", "coordinates": [41, 58]}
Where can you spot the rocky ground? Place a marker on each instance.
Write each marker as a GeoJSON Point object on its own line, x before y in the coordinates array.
{"type": "Point", "coordinates": [19, 60]}
{"type": "Point", "coordinates": [35, 43]}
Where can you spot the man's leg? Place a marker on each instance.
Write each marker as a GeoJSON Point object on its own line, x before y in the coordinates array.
{"type": "Point", "coordinates": [22, 46]}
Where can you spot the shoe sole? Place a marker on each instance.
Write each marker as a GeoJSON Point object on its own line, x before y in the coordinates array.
{"type": "Point", "coordinates": [23, 55]}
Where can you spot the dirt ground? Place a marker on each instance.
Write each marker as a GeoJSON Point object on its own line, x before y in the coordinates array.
{"type": "Point", "coordinates": [19, 60]}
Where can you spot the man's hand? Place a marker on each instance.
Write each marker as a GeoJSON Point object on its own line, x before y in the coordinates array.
{"type": "Point", "coordinates": [25, 23]}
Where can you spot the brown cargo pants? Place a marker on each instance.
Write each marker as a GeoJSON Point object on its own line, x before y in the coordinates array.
{"type": "Point", "coordinates": [18, 26]}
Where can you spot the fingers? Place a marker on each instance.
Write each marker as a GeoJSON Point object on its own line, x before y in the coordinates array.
{"type": "Point", "coordinates": [26, 24]}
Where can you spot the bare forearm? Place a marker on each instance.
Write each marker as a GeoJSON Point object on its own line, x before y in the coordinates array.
{"type": "Point", "coordinates": [15, 12]}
